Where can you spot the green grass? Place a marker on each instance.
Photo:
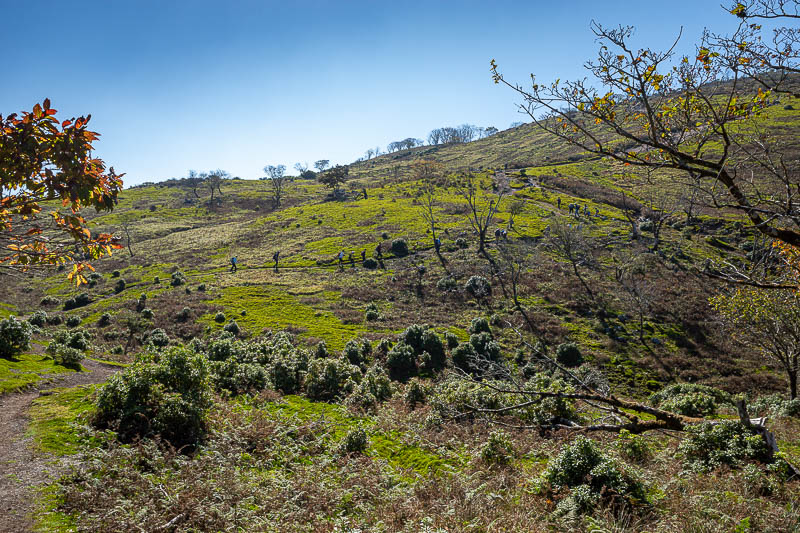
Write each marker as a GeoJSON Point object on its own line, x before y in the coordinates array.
{"type": "Point", "coordinates": [53, 415]}
{"type": "Point", "coordinates": [26, 370]}
{"type": "Point", "coordinates": [273, 307]}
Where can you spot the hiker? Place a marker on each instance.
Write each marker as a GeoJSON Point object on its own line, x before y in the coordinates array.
{"type": "Point", "coordinates": [497, 233]}
{"type": "Point", "coordinates": [586, 210]}
{"type": "Point", "coordinates": [378, 251]}
{"type": "Point", "coordinates": [597, 212]}
{"type": "Point", "coordinates": [275, 258]}
{"type": "Point", "coordinates": [571, 206]}
{"type": "Point", "coordinates": [351, 259]}
{"type": "Point", "coordinates": [365, 194]}
{"type": "Point", "coordinates": [559, 202]}
{"type": "Point", "coordinates": [504, 233]}
{"type": "Point", "coordinates": [233, 264]}
{"type": "Point", "coordinates": [363, 255]}
{"type": "Point", "coordinates": [437, 243]}
{"type": "Point", "coordinates": [341, 258]}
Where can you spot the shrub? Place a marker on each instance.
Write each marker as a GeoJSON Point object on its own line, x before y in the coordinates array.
{"type": "Point", "coordinates": [329, 379]}
{"type": "Point", "coordinates": [447, 284]}
{"type": "Point", "coordinates": [219, 317]}
{"type": "Point", "coordinates": [158, 338]}
{"type": "Point", "coordinates": [77, 301]}
{"type": "Point", "coordinates": [141, 303]}
{"type": "Point", "coordinates": [401, 362]}
{"type": "Point", "coordinates": [415, 393]}
{"type": "Point", "coordinates": [461, 242]}
{"type": "Point", "coordinates": [54, 320]}
{"type": "Point", "coordinates": [631, 446]}
{"type": "Point", "coordinates": [726, 442]}
{"type": "Point", "coordinates": [371, 313]}
{"type": "Point", "coordinates": [775, 405]}
{"type": "Point", "coordinates": [232, 327]}
{"type": "Point", "coordinates": [104, 320]}
{"type": "Point", "coordinates": [73, 321]}
{"type": "Point", "coordinates": [147, 313]}
{"type": "Point", "coordinates": [690, 399]}
{"type": "Point", "coordinates": [156, 280]}
{"type": "Point", "coordinates": [353, 352]}
{"type": "Point", "coordinates": [177, 279]}
{"type": "Point", "coordinates": [50, 301]}
{"type": "Point", "coordinates": [321, 350]}
{"type": "Point", "coordinates": [201, 287]}
{"type": "Point", "coordinates": [370, 263]}
{"type": "Point", "coordinates": [356, 441]}
{"type": "Point", "coordinates": [592, 476]}
{"type": "Point", "coordinates": [66, 356]}
{"type": "Point", "coordinates": [115, 274]}
{"type": "Point", "coordinates": [38, 318]}
{"type": "Point", "coordinates": [375, 387]}
{"type": "Point", "coordinates": [478, 286]}
{"type": "Point", "coordinates": [183, 315]}
{"type": "Point", "coordinates": [80, 339]}
{"type": "Point", "coordinates": [118, 350]}
{"type": "Point", "coordinates": [399, 247]}
{"type": "Point", "coordinates": [166, 394]}
{"type": "Point", "coordinates": [119, 286]}
{"type": "Point", "coordinates": [569, 355]}
{"type": "Point", "coordinates": [433, 346]}
{"type": "Point", "coordinates": [498, 449]}
{"type": "Point", "coordinates": [478, 354]}
{"type": "Point", "coordinates": [15, 336]}
{"type": "Point", "coordinates": [383, 347]}
{"type": "Point", "coordinates": [479, 325]}
{"type": "Point", "coordinates": [452, 340]}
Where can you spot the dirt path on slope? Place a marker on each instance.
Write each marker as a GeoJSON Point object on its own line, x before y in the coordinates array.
{"type": "Point", "coordinates": [22, 468]}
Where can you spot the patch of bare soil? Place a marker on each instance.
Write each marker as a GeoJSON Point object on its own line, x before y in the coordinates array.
{"type": "Point", "coordinates": [22, 468]}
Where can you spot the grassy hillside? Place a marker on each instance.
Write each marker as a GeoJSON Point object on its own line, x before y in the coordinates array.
{"type": "Point", "coordinates": [280, 462]}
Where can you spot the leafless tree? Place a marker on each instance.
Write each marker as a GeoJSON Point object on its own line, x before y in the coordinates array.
{"type": "Point", "coordinates": [276, 175]}
{"type": "Point", "coordinates": [482, 207]}
{"type": "Point", "coordinates": [570, 243]}
{"type": "Point", "coordinates": [322, 164]}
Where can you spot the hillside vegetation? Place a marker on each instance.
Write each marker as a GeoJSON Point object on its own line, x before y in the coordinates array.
{"type": "Point", "coordinates": [328, 395]}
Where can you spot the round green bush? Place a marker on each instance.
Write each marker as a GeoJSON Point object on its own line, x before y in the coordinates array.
{"type": "Point", "coordinates": [119, 286]}
{"type": "Point", "coordinates": [232, 327]}
{"type": "Point", "coordinates": [462, 243]}
{"type": "Point", "coordinates": [415, 393]}
{"type": "Point", "coordinates": [158, 338]}
{"type": "Point", "coordinates": [447, 284]}
{"type": "Point", "coordinates": [399, 247]}
{"type": "Point", "coordinates": [38, 318]}
{"type": "Point", "coordinates": [478, 286]}
{"type": "Point", "coordinates": [104, 320]}
{"type": "Point", "coordinates": [147, 313]}
{"type": "Point", "coordinates": [356, 441]}
{"type": "Point", "coordinates": [401, 362]}
{"type": "Point", "coordinates": [73, 321]}
{"type": "Point", "coordinates": [329, 379]}
{"type": "Point", "coordinates": [15, 336]}
{"type": "Point", "coordinates": [370, 263]}
{"type": "Point", "coordinates": [690, 399]}
{"type": "Point", "coordinates": [219, 317]}
{"type": "Point", "coordinates": [569, 355]}
{"type": "Point", "coordinates": [166, 394]}
{"type": "Point", "coordinates": [725, 442]}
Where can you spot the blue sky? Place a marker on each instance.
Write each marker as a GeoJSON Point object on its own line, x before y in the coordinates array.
{"type": "Point", "coordinates": [237, 85]}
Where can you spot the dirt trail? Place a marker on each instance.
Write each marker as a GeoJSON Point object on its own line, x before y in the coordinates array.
{"type": "Point", "coordinates": [22, 468]}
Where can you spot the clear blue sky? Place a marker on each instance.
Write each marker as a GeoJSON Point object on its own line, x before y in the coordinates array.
{"type": "Point", "coordinates": [179, 85]}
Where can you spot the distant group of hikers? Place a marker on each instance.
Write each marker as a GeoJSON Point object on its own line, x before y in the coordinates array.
{"type": "Point", "coordinates": [575, 210]}
{"type": "Point", "coordinates": [235, 261]}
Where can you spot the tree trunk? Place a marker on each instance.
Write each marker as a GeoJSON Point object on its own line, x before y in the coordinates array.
{"type": "Point", "coordinates": [793, 383]}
